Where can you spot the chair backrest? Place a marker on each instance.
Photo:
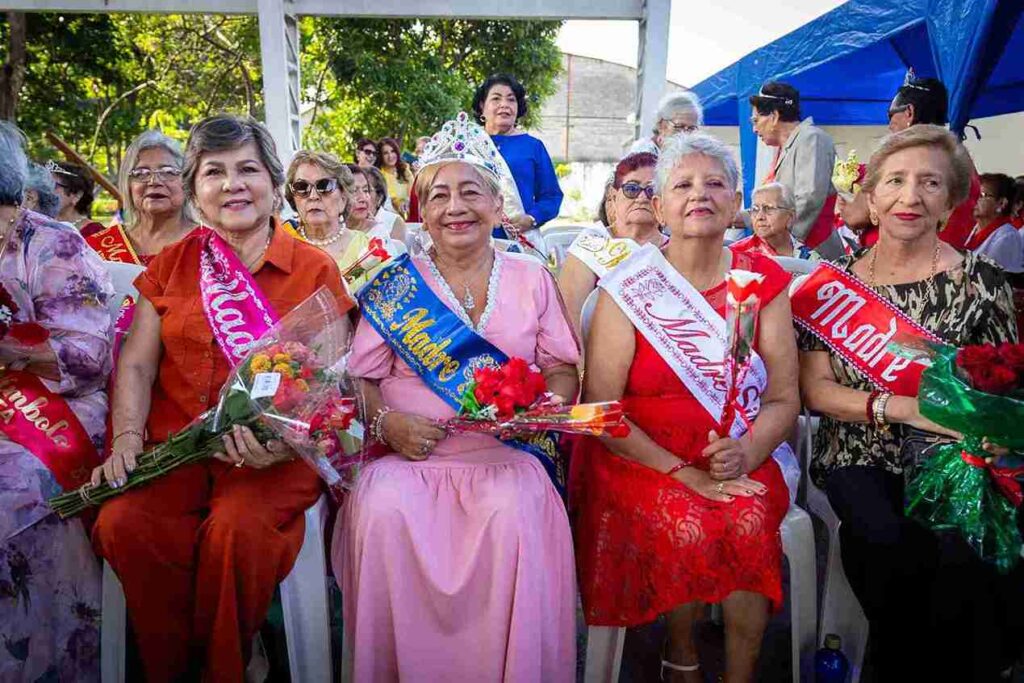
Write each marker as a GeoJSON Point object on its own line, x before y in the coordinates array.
{"type": "Point", "coordinates": [122, 275]}
{"type": "Point", "coordinates": [587, 314]}
{"type": "Point", "coordinates": [558, 241]}
{"type": "Point", "coordinates": [797, 266]}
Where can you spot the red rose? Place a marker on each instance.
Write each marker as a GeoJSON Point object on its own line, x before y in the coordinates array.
{"type": "Point", "coordinates": [515, 370]}
{"type": "Point", "coordinates": [982, 355]}
{"type": "Point", "coordinates": [995, 379]}
{"type": "Point", "coordinates": [538, 385]}
{"type": "Point", "coordinates": [1013, 356]}
{"type": "Point", "coordinates": [506, 405]}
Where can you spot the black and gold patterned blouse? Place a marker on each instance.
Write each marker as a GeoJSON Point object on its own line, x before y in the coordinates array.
{"type": "Point", "coordinates": [969, 304]}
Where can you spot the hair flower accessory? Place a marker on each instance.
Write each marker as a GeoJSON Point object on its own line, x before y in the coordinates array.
{"type": "Point", "coordinates": [848, 175]}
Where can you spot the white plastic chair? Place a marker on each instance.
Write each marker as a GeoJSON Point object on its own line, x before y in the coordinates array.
{"type": "Point", "coordinates": [796, 266]}
{"type": "Point", "coordinates": [303, 600]}
{"type": "Point", "coordinates": [841, 612]}
{"type": "Point", "coordinates": [122, 275]}
{"type": "Point", "coordinates": [558, 241]}
{"type": "Point", "coordinates": [587, 313]}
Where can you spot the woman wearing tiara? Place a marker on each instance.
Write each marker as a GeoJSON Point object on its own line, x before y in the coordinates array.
{"type": "Point", "coordinates": [453, 552]}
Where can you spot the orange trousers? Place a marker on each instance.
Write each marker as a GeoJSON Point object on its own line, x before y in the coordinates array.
{"type": "Point", "coordinates": [199, 553]}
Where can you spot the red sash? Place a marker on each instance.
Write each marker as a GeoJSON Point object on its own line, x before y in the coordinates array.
{"type": "Point", "coordinates": [41, 421]}
{"type": "Point", "coordinates": [976, 238]}
{"type": "Point", "coordinates": [113, 245]}
{"type": "Point", "coordinates": [859, 325]}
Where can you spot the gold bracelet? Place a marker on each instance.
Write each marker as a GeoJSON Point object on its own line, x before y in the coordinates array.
{"type": "Point", "coordinates": [128, 432]}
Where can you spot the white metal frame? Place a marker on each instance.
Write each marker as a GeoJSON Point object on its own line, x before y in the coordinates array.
{"type": "Point", "coordinates": [279, 43]}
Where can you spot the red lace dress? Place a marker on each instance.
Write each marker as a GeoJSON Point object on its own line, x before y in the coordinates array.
{"type": "Point", "coordinates": [646, 543]}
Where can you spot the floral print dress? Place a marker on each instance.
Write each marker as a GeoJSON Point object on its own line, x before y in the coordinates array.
{"type": "Point", "coordinates": [49, 576]}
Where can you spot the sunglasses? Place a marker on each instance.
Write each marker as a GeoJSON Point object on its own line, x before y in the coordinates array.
{"type": "Point", "coordinates": [632, 190]}
{"type": "Point", "coordinates": [897, 110]}
{"type": "Point", "coordinates": [369, 152]}
{"type": "Point", "coordinates": [303, 188]}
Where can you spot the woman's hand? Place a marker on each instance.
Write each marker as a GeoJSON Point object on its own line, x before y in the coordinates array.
{"type": "Point", "coordinates": [727, 456]}
{"type": "Point", "coordinates": [722, 491]}
{"type": "Point", "coordinates": [905, 410]}
{"type": "Point", "coordinates": [241, 447]}
{"type": "Point", "coordinates": [121, 461]}
{"type": "Point", "coordinates": [413, 436]}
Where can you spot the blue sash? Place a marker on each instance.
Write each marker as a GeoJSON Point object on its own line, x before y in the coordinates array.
{"type": "Point", "coordinates": [440, 347]}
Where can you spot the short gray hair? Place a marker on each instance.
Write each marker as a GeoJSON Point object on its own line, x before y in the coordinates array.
{"type": "Point", "coordinates": [229, 131]}
{"type": "Point", "coordinates": [13, 164]}
{"type": "Point", "coordinates": [40, 181]}
{"type": "Point", "coordinates": [683, 102]}
{"type": "Point", "coordinates": [678, 147]}
{"type": "Point", "coordinates": [786, 199]}
{"type": "Point", "coordinates": [151, 139]}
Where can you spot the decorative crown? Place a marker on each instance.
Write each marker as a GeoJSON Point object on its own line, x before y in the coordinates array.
{"type": "Point", "coordinates": [848, 175]}
{"type": "Point", "coordinates": [53, 167]}
{"type": "Point", "coordinates": [463, 140]}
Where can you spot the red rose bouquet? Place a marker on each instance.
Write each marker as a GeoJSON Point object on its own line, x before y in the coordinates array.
{"type": "Point", "coordinates": [290, 387]}
{"type": "Point", "coordinates": [977, 391]}
{"type": "Point", "coordinates": [512, 399]}
{"type": "Point", "coordinates": [377, 254]}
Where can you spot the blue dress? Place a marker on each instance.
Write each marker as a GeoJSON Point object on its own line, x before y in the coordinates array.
{"type": "Point", "coordinates": [534, 175]}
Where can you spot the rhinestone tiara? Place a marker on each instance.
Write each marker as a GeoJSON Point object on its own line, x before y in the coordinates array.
{"type": "Point", "coordinates": [461, 139]}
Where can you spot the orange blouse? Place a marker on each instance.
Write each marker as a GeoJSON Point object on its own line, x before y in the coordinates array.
{"type": "Point", "coordinates": [192, 367]}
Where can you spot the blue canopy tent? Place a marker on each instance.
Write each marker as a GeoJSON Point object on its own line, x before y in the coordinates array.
{"type": "Point", "coordinates": [848, 63]}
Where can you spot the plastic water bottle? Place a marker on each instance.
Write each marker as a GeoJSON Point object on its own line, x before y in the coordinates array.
{"type": "Point", "coordinates": [830, 664]}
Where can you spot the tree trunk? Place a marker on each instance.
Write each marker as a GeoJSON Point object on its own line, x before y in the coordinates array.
{"type": "Point", "coordinates": [12, 73]}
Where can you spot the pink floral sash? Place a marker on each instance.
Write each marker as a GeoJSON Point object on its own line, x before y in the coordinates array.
{"type": "Point", "coordinates": [236, 309]}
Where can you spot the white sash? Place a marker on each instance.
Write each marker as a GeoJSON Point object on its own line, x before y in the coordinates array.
{"type": "Point", "coordinates": [690, 337]}
{"type": "Point", "coordinates": [601, 252]}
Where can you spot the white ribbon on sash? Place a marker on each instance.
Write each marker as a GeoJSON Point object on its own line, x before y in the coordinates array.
{"type": "Point", "coordinates": [601, 252]}
{"type": "Point", "coordinates": [690, 337]}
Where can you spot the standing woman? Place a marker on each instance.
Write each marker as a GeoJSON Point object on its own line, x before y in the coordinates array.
{"type": "Point", "coordinates": [49, 577]}
{"type": "Point", "coordinates": [921, 591]}
{"type": "Point", "coordinates": [499, 103]}
{"type": "Point", "coordinates": [200, 550]}
{"type": "Point", "coordinates": [76, 189]}
{"type": "Point", "coordinates": [155, 212]}
{"type": "Point", "coordinates": [319, 188]}
{"type": "Point", "coordinates": [396, 173]}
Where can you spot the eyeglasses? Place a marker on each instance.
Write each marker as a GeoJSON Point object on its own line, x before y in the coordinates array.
{"type": "Point", "coordinates": [369, 151]}
{"type": "Point", "coordinates": [632, 190]}
{"type": "Point", "coordinates": [766, 209]}
{"type": "Point", "coordinates": [683, 127]}
{"type": "Point", "coordinates": [303, 188]}
{"type": "Point", "coordinates": [144, 176]}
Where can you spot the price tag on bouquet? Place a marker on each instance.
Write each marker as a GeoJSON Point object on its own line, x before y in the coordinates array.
{"type": "Point", "coordinates": [265, 384]}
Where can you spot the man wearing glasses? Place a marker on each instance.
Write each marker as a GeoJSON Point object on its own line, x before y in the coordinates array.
{"type": "Point", "coordinates": [804, 158]}
{"type": "Point", "coordinates": [366, 153]}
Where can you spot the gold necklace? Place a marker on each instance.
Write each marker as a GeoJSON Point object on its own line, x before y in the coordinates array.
{"type": "Point", "coordinates": [930, 282]}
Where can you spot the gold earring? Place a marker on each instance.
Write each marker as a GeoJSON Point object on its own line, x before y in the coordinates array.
{"type": "Point", "coordinates": [873, 217]}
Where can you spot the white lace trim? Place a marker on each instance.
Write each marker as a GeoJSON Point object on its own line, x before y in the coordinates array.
{"type": "Point", "coordinates": [456, 304]}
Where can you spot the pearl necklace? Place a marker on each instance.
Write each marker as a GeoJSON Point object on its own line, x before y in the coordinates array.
{"type": "Point", "coordinates": [324, 242]}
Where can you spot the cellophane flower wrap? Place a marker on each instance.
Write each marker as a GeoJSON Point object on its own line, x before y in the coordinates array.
{"type": "Point", "coordinates": [956, 488]}
{"type": "Point", "coordinates": [291, 386]}
{"type": "Point", "coordinates": [742, 306]}
{"type": "Point", "coordinates": [513, 399]}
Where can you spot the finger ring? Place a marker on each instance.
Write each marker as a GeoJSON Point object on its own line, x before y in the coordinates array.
{"type": "Point", "coordinates": [720, 487]}
{"type": "Point", "coordinates": [240, 463]}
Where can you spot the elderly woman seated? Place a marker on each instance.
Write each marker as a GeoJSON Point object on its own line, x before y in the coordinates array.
{"type": "Point", "coordinates": [156, 214]}
{"type": "Point", "coordinates": [678, 112]}
{"type": "Point", "coordinates": [685, 511]}
{"type": "Point", "coordinates": [453, 551]}
{"type": "Point", "coordinates": [772, 212]}
{"type": "Point", "coordinates": [921, 591]}
{"type": "Point", "coordinates": [631, 224]}
{"type": "Point", "coordinates": [54, 405]}
{"type": "Point", "coordinates": [41, 192]}
{"type": "Point", "coordinates": [200, 550]}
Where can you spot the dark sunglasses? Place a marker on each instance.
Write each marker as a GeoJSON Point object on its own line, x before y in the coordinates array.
{"type": "Point", "coordinates": [369, 152]}
{"type": "Point", "coordinates": [897, 110]}
{"type": "Point", "coordinates": [303, 188]}
{"type": "Point", "coordinates": [633, 190]}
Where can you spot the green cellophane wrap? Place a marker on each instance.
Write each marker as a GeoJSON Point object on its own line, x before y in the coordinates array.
{"type": "Point", "coordinates": [951, 493]}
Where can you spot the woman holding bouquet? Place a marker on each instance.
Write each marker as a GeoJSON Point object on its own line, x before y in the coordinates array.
{"type": "Point", "coordinates": [200, 550]}
{"type": "Point", "coordinates": [454, 553]}
{"type": "Point", "coordinates": [676, 515]}
{"type": "Point", "coordinates": [922, 592]}
{"type": "Point", "coordinates": [55, 352]}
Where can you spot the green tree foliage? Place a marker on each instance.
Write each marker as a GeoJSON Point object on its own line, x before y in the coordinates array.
{"type": "Point", "coordinates": [405, 77]}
